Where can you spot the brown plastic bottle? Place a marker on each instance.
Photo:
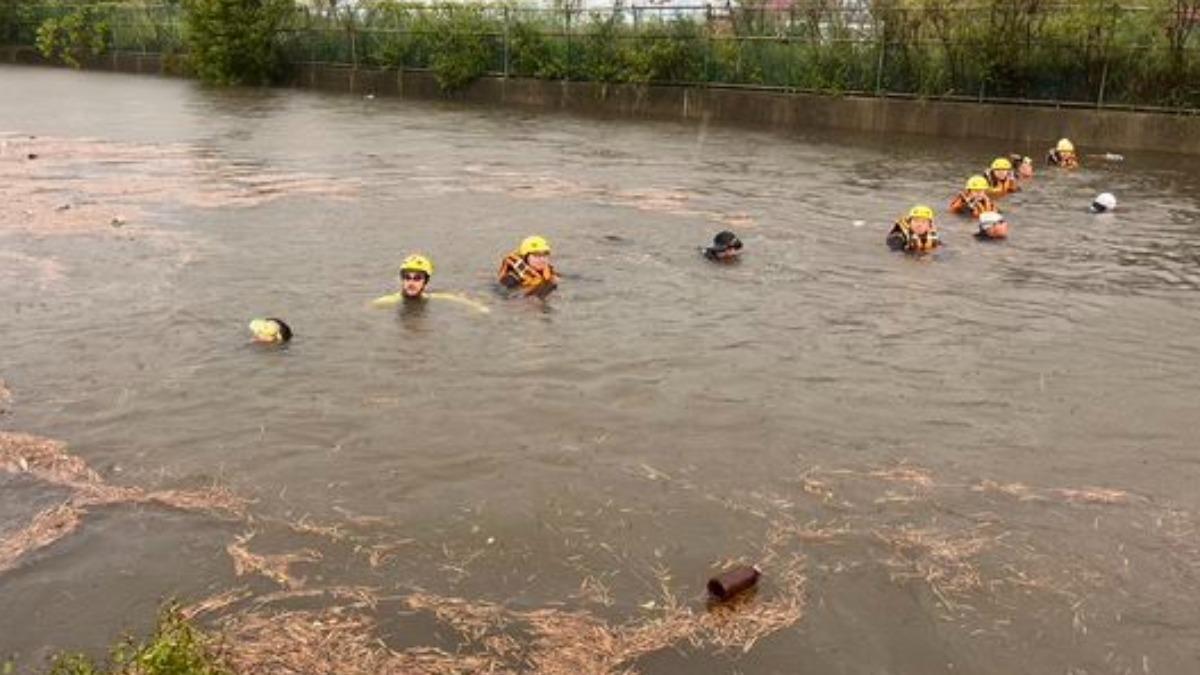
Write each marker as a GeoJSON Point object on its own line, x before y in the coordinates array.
{"type": "Point", "coordinates": [731, 582]}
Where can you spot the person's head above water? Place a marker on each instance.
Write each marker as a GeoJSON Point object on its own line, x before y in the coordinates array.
{"type": "Point", "coordinates": [1001, 166]}
{"type": "Point", "coordinates": [415, 272]}
{"type": "Point", "coordinates": [1065, 146]}
{"type": "Point", "coordinates": [1104, 202]}
{"type": "Point", "coordinates": [1023, 164]}
{"type": "Point", "coordinates": [528, 268]}
{"type": "Point", "coordinates": [270, 331]}
{"type": "Point", "coordinates": [977, 186]}
{"type": "Point", "coordinates": [725, 246]}
{"type": "Point", "coordinates": [992, 225]}
{"type": "Point", "coordinates": [536, 251]}
{"type": "Point", "coordinates": [920, 219]}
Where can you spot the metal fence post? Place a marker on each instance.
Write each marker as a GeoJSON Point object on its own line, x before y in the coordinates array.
{"type": "Point", "coordinates": [1104, 71]}
{"type": "Point", "coordinates": [567, 23]}
{"type": "Point", "coordinates": [879, 63]}
{"type": "Point", "coordinates": [708, 46]}
{"type": "Point", "coordinates": [506, 47]}
{"type": "Point", "coordinates": [353, 38]}
{"type": "Point", "coordinates": [1103, 83]}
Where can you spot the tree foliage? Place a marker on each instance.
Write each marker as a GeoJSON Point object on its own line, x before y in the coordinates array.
{"type": "Point", "coordinates": [74, 37]}
{"type": "Point", "coordinates": [236, 41]}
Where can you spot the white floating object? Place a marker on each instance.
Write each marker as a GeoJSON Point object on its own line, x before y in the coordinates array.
{"type": "Point", "coordinates": [1105, 201]}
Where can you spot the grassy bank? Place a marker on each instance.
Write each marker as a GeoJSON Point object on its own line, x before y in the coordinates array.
{"type": "Point", "coordinates": [1096, 51]}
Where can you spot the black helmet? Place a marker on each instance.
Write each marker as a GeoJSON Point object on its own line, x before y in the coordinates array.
{"type": "Point", "coordinates": [725, 240]}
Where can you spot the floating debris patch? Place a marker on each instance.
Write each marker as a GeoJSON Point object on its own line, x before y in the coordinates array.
{"type": "Point", "coordinates": [48, 461]}
{"type": "Point", "coordinates": [89, 186]}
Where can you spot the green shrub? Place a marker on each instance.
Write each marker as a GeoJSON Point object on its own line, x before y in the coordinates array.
{"type": "Point", "coordinates": [69, 39]}
{"type": "Point", "coordinates": [735, 62]}
{"type": "Point", "coordinates": [667, 52]}
{"type": "Point", "coordinates": [235, 41]}
{"type": "Point", "coordinates": [532, 52]}
{"type": "Point", "coordinates": [176, 648]}
{"type": "Point", "coordinates": [10, 25]}
{"type": "Point", "coordinates": [405, 42]}
{"type": "Point", "coordinates": [462, 46]}
{"type": "Point", "coordinates": [602, 57]}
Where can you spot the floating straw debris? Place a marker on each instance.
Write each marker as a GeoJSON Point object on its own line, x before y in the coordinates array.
{"type": "Point", "coordinates": [5, 397]}
{"type": "Point", "coordinates": [946, 561]}
{"type": "Point", "coordinates": [276, 567]}
{"type": "Point", "coordinates": [216, 603]}
{"type": "Point", "coordinates": [904, 474]}
{"type": "Point", "coordinates": [74, 186]}
{"type": "Point", "coordinates": [46, 528]}
{"type": "Point", "coordinates": [560, 642]}
{"type": "Point", "coordinates": [48, 461]}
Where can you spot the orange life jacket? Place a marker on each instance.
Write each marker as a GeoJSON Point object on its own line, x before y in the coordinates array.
{"type": "Point", "coordinates": [964, 202]}
{"type": "Point", "coordinates": [1002, 187]}
{"type": "Point", "coordinates": [1070, 161]}
{"type": "Point", "coordinates": [914, 243]}
{"type": "Point", "coordinates": [516, 273]}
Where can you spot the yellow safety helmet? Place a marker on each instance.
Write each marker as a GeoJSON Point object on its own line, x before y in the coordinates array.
{"type": "Point", "coordinates": [270, 330]}
{"type": "Point", "coordinates": [417, 263]}
{"type": "Point", "coordinates": [1001, 164]}
{"type": "Point", "coordinates": [534, 244]}
{"type": "Point", "coordinates": [977, 183]}
{"type": "Point", "coordinates": [921, 212]}
{"type": "Point", "coordinates": [1065, 145]}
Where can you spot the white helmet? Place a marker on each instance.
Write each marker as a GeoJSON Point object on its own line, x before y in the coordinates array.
{"type": "Point", "coordinates": [1105, 201]}
{"type": "Point", "coordinates": [988, 219]}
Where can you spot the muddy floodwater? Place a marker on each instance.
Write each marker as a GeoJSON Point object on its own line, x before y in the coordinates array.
{"type": "Point", "coordinates": [982, 461]}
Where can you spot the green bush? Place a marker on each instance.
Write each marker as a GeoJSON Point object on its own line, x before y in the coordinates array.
{"type": "Point", "coordinates": [671, 51]}
{"type": "Point", "coordinates": [532, 52]}
{"type": "Point", "coordinates": [735, 62]}
{"type": "Point", "coordinates": [406, 40]}
{"type": "Point", "coordinates": [235, 41]}
{"type": "Point", "coordinates": [462, 46]}
{"type": "Point", "coordinates": [603, 58]}
{"type": "Point", "coordinates": [71, 38]}
{"type": "Point", "coordinates": [458, 43]}
{"type": "Point", "coordinates": [10, 24]}
{"type": "Point", "coordinates": [176, 648]}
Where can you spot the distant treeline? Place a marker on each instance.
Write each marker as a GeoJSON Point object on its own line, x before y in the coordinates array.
{"type": "Point", "coordinates": [1086, 51]}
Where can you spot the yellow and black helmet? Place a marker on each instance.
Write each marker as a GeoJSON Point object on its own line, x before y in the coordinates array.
{"type": "Point", "coordinates": [534, 244]}
{"type": "Point", "coordinates": [417, 263]}
{"type": "Point", "coordinates": [921, 211]}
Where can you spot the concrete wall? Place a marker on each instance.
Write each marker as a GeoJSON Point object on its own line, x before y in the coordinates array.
{"type": "Point", "coordinates": [1030, 126]}
{"type": "Point", "coordinates": [124, 62]}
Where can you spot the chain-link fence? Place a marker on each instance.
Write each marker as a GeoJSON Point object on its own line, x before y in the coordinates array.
{"type": "Point", "coordinates": [1087, 52]}
{"type": "Point", "coordinates": [142, 27]}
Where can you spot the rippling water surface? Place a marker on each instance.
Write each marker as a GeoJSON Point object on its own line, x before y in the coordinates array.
{"type": "Point", "coordinates": [658, 413]}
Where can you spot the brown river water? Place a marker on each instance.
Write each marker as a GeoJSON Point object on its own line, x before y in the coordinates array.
{"type": "Point", "coordinates": [981, 461]}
